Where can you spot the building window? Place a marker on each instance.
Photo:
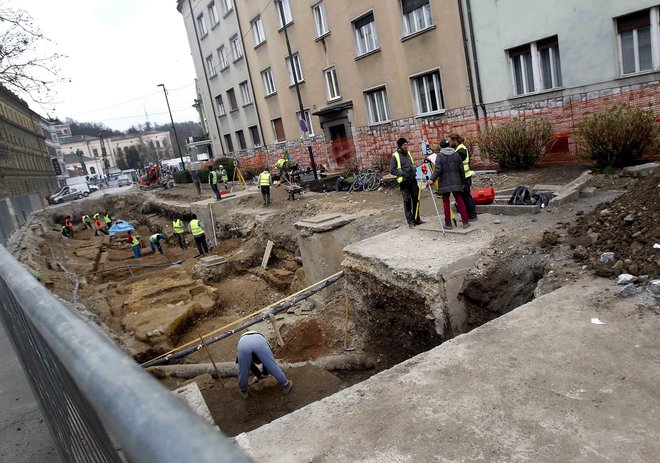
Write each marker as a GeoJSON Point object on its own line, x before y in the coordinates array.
{"type": "Point", "coordinates": [550, 64]}
{"type": "Point", "coordinates": [201, 23]}
{"type": "Point", "coordinates": [428, 93]}
{"type": "Point", "coordinates": [213, 13]}
{"type": "Point", "coordinates": [254, 133]}
{"type": "Point", "coordinates": [221, 105]}
{"type": "Point", "coordinates": [229, 143]}
{"type": "Point", "coordinates": [222, 54]}
{"type": "Point", "coordinates": [320, 20]}
{"type": "Point", "coordinates": [283, 11]}
{"type": "Point", "coordinates": [308, 122]}
{"type": "Point", "coordinates": [258, 31]}
{"type": "Point", "coordinates": [278, 129]}
{"type": "Point", "coordinates": [232, 99]}
{"type": "Point", "coordinates": [377, 106]}
{"type": "Point", "coordinates": [269, 82]}
{"type": "Point", "coordinates": [536, 66]}
{"type": "Point", "coordinates": [227, 6]}
{"type": "Point", "coordinates": [241, 139]}
{"type": "Point", "coordinates": [236, 47]}
{"type": "Point", "coordinates": [245, 93]}
{"type": "Point", "coordinates": [331, 84]}
{"type": "Point", "coordinates": [635, 49]}
{"type": "Point", "coordinates": [416, 15]}
{"type": "Point", "coordinates": [296, 70]}
{"type": "Point", "coordinates": [95, 152]}
{"type": "Point", "coordinates": [365, 34]}
{"type": "Point", "coordinates": [210, 66]}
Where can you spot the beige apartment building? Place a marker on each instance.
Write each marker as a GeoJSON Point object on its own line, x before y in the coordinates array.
{"type": "Point", "coordinates": [363, 66]}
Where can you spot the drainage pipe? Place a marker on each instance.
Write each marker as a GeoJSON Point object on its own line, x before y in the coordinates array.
{"type": "Point", "coordinates": [467, 60]}
{"type": "Point", "coordinates": [276, 308]}
{"type": "Point", "coordinates": [476, 61]}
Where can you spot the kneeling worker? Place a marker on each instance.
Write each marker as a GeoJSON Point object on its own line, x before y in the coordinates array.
{"type": "Point", "coordinates": [253, 343]}
{"type": "Point", "coordinates": [154, 241]}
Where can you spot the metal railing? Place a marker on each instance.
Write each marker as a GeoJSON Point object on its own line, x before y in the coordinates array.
{"type": "Point", "coordinates": [99, 404]}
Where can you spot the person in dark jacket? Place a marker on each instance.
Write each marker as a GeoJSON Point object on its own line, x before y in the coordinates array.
{"type": "Point", "coordinates": [458, 143]}
{"type": "Point", "coordinates": [450, 175]}
{"type": "Point", "coordinates": [402, 166]}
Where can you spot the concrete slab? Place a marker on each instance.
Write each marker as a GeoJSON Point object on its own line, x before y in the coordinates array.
{"type": "Point", "coordinates": [579, 182]}
{"type": "Point", "coordinates": [565, 196]}
{"type": "Point", "coordinates": [212, 261]}
{"type": "Point", "coordinates": [507, 209]}
{"type": "Point", "coordinates": [587, 192]}
{"type": "Point", "coordinates": [192, 397]}
{"type": "Point", "coordinates": [541, 383]}
{"type": "Point", "coordinates": [642, 170]}
{"type": "Point", "coordinates": [547, 188]}
{"type": "Point", "coordinates": [323, 223]}
{"type": "Point", "coordinates": [435, 226]}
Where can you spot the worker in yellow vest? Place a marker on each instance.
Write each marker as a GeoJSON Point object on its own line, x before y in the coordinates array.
{"type": "Point", "coordinates": [457, 142]}
{"type": "Point", "coordinates": [265, 181]}
{"type": "Point", "coordinates": [222, 173]}
{"type": "Point", "coordinates": [87, 222]}
{"type": "Point", "coordinates": [107, 219]}
{"type": "Point", "coordinates": [402, 166]}
{"type": "Point", "coordinates": [197, 231]}
{"type": "Point", "coordinates": [213, 181]}
{"type": "Point", "coordinates": [179, 231]}
{"type": "Point", "coordinates": [253, 348]}
{"type": "Point", "coordinates": [135, 245]}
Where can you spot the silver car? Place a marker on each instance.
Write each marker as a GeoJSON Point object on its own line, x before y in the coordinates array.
{"type": "Point", "coordinates": [65, 194]}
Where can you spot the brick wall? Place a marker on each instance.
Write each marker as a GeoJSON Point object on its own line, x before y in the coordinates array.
{"type": "Point", "coordinates": [374, 145]}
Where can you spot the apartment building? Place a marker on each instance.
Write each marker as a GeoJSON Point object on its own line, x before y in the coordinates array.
{"type": "Point", "coordinates": [25, 165]}
{"type": "Point", "coordinates": [362, 66]}
{"type": "Point", "coordinates": [49, 128]}
{"type": "Point", "coordinates": [227, 96]}
{"type": "Point", "coordinates": [565, 59]}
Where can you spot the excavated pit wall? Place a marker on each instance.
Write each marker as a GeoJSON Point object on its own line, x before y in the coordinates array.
{"type": "Point", "coordinates": [404, 288]}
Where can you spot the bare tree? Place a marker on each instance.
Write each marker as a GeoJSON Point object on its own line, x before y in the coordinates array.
{"type": "Point", "coordinates": [23, 69]}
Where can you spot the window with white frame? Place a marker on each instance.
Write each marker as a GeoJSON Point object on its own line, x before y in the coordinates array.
{"type": "Point", "coordinates": [236, 47]}
{"type": "Point", "coordinates": [283, 11]}
{"type": "Point", "coordinates": [222, 55]}
{"type": "Point", "coordinates": [258, 31]}
{"type": "Point", "coordinates": [245, 93]}
{"type": "Point", "coordinates": [201, 23]}
{"type": "Point", "coordinates": [308, 122]}
{"type": "Point", "coordinates": [365, 34]}
{"type": "Point", "coordinates": [210, 66]}
{"type": "Point", "coordinates": [377, 105]}
{"type": "Point", "coordinates": [213, 13]}
{"type": "Point", "coordinates": [227, 6]}
{"type": "Point", "coordinates": [220, 105]}
{"type": "Point", "coordinates": [296, 70]}
{"type": "Point", "coordinates": [428, 93]}
{"type": "Point", "coordinates": [635, 44]}
{"type": "Point", "coordinates": [320, 19]}
{"type": "Point", "coordinates": [331, 84]}
{"type": "Point", "coordinates": [416, 15]}
{"type": "Point", "coordinates": [536, 66]}
{"type": "Point", "coordinates": [269, 82]}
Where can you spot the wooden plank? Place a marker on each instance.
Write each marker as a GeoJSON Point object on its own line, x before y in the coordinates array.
{"type": "Point", "coordinates": [269, 248]}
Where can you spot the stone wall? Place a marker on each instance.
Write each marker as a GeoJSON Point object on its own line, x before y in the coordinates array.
{"type": "Point", "coordinates": [375, 144]}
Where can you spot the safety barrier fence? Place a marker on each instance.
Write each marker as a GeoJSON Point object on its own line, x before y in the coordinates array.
{"type": "Point", "coordinates": [15, 211]}
{"type": "Point", "coordinates": [99, 404]}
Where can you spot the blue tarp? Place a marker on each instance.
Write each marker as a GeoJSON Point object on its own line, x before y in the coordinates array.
{"type": "Point", "coordinates": [120, 226]}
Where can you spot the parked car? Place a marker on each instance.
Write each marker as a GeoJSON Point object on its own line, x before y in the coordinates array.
{"type": "Point", "coordinates": [93, 188]}
{"type": "Point", "coordinates": [66, 194]}
{"type": "Point", "coordinates": [124, 181]}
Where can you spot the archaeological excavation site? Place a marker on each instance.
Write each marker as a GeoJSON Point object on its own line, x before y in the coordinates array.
{"type": "Point", "coordinates": [372, 321]}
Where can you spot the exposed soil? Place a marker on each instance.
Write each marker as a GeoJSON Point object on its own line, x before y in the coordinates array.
{"type": "Point", "coordinates": [152, 308]}
{"type": "Point", "coordinates": [629, 227]}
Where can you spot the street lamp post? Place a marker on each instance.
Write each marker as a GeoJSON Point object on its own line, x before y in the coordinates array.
{"type": "Point", "coordinates": [280, 11]}
{"type": "Point", "coordinates": [176, 137]}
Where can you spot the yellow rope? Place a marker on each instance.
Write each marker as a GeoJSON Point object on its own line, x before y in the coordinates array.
{"type": "Point", "coordinates": [223, 328]}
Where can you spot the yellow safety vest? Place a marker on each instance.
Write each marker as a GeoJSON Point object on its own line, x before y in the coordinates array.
{"type": "Point", "coordinates": [213, 177]}
{"type": "Point", "coordinates": [398, 163]}
{"type": "Point", "coordinates": [135, 242]}
{"type": "Point", "coordinates": [280, 162]}
{"type": "Point", "coordinates": [85, 218]}
{"type": "Point", "coordinates": [107, 218]}
{"type": "Point", "coordinates": [264, 179]}
{"type": "Point", "coordinates": [223, 174]}
{"type": "Point", "coordinates": [178, 226]}
{"type": "Point", "coordinates": [466, 163]}
{"type": "Point", "coordinates": [97, 216]}
{"type": "Point", "coordinates": [195, 229]}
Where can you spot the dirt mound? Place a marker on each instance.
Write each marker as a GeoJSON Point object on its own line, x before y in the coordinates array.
{"type": "Point", "coordinates": [629, 227]}
{"type": "Point", "coordinates": [306, 340]}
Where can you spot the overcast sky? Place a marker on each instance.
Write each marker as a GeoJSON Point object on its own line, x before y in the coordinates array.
{"type": "Point", "coordinates": [118, 50]}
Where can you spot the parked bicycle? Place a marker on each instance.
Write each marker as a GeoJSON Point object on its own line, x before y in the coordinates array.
{"type": "Point", "coordinates": [366, 181]}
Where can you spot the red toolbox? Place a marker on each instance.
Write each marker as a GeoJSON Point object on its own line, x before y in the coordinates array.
{"type": "Point", "coordinates": [483, 195]}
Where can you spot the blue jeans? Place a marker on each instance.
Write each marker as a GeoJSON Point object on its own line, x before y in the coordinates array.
{"type": "Point", "coordinates": [155, 246]}
{"type": "Point", "coordinates": [137, 251]}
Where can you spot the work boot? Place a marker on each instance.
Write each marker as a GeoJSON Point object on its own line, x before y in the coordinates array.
{"type": "Point", "coordinates": [244, 394]}
{"type": "Point", "coordinates": [287, 387]}
{"type": "Point", "coordinates": [419, 221]}
{"type": "Point", "coordinates": [447, 226]}
{"type": "Point", "coordinates": [411, 224]}
{"type": "Point", "coordinates": [466, 224]}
